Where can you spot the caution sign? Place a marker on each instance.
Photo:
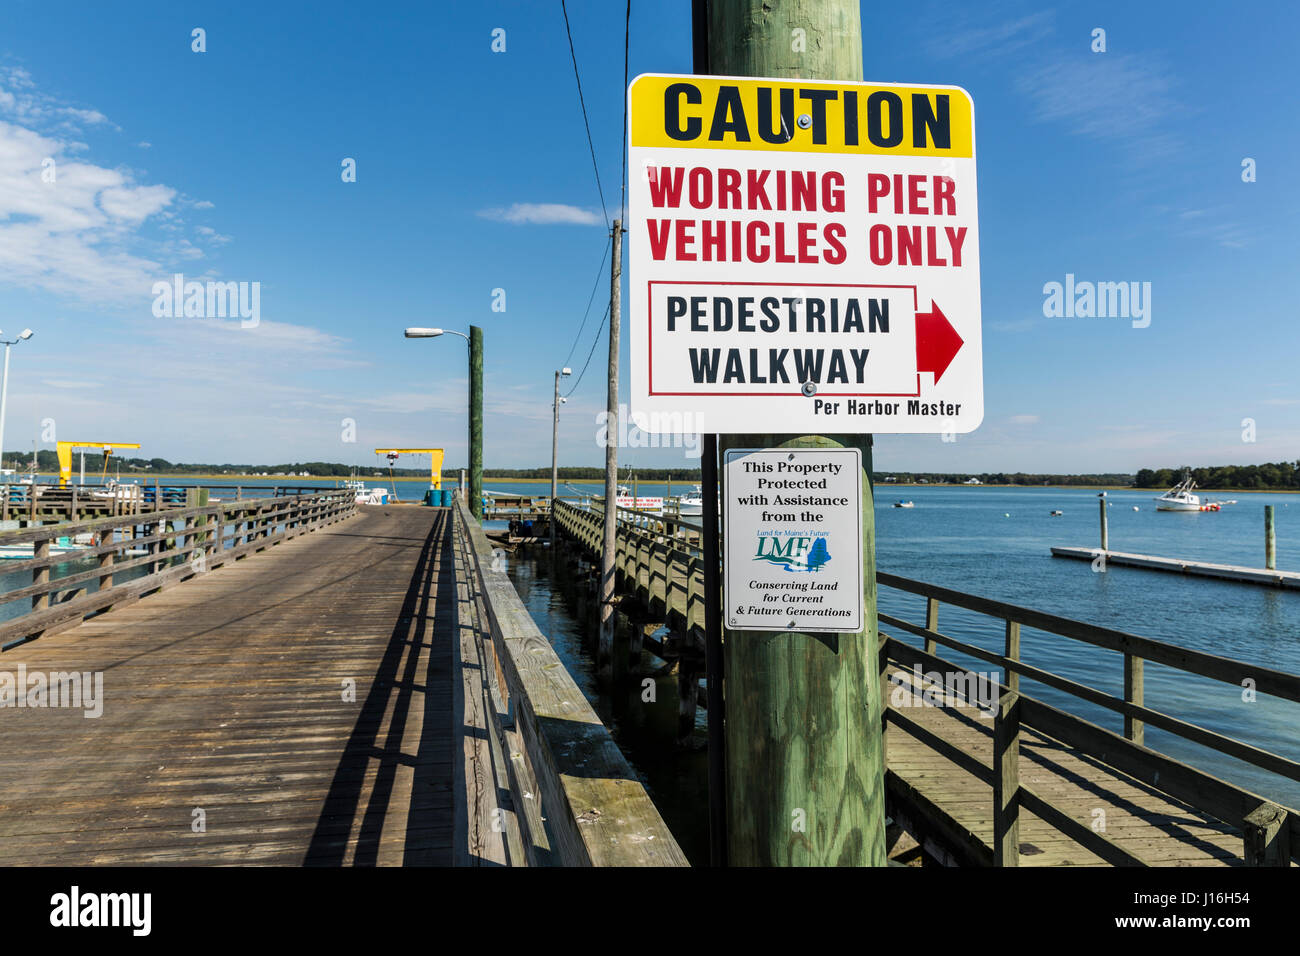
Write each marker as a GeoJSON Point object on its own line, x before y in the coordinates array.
{"type": "Point", "coordinates": [803, 256]}
{"type": "Point", "coordinates": [792, 522]}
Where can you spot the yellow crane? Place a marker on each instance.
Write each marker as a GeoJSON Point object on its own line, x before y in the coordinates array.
{"type": "Point", "coordinates": [65, 448]}
{"type": "Point", "coordinates": [435, 462]}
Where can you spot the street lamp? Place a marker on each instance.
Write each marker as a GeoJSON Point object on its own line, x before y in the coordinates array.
{"type": "Point", "coordinates": [475, 340]}
{"type": "Point", "coordinates": [555, 447]}
{"type": "Point", "coordinates": [4, 392]}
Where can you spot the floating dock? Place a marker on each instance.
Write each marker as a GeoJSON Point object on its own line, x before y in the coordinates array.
{"type": "Point", "coordinates": [1228, 572]}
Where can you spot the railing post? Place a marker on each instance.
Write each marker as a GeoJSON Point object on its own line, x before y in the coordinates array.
{"type": "Point", "coordinates": [106, 560]}
{"type": "Point", "coordinates": [931, 622]}
{"type": "Point", "coordinates": [1267, 835]}
{"type": "Point", "coordinates": [1006, 781]}
{"type": "Point", "coordinates": [41, 549]}
{"type": "Point", "coordinates": [1134, 729]}
{"type": "Point", "coordinates": [1011, 651]}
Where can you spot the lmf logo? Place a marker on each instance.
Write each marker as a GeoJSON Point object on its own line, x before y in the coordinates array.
{"type": "Point", "coordinates": [794, 553]}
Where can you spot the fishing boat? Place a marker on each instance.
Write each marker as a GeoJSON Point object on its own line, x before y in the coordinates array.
{"type": "Point", "coordinates": [904, 504]}
{"type": "Point", "coordinates": [691, 504]}
{"type": "Point", "coordinates": [115, 489]}
{"type": "Point", "coordinates": [366, 496]}
{"type": "Point", "coordinates": [1180, 498]}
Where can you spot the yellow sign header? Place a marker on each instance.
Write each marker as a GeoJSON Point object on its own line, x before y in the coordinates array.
{"type": "Point", "coordinates": [800, 116]}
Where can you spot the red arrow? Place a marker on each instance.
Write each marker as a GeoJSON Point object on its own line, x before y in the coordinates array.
{"type": "Point", "coordinates": [937, 342]}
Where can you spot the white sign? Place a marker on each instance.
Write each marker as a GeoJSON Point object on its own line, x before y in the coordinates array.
{"type": "Point", "coordinates": [792, 523]}
{"type": "Point", "coordinates": [640, 504]}
{"type": "Point", "coordinates": [803, 256]}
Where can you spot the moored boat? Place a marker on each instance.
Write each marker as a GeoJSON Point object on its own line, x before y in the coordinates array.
{"type": "Point", "coordinates": [1180, 498]}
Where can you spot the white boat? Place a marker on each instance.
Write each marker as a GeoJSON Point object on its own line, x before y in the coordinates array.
{"type": "Point", "coordinates": [904, 504]}
{"type": "Point", "coordinates": [691, 504]}
{"type": "Point", "coordinates": [119, 491]}
{"type": "Point", "coordinates": [24, 552]}
{"type": "Point", "coordinates": [1179, 498]}
{"type": "Point", "coordinates": [367, 496]}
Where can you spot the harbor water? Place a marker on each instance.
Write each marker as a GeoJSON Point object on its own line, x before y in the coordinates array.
{"type": "Point", "coordinates": [996, 542]}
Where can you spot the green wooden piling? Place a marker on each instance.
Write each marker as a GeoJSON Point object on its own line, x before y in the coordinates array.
{"type": "Point", "coordinates": [804, 742]}
{"type": "Point", "coordinates": [1270, 540]}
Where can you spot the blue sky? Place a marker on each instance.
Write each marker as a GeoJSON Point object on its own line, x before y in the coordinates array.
{"type": "Point", "coordinates": [473, 174]}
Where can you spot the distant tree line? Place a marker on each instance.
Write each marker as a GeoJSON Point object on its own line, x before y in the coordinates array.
{"type": "Point", "coordinates": [48, 461]}
{"type": "Point", "coordinates": [1276, 475]}
{"type": "Point", "coordinates": [997, 478]}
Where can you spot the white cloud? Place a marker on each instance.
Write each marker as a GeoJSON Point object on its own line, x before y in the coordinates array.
{"type": "Point", "coordinates": [1119, 97]}
{"type": "Point", "coordinates": [1023, 419]}
{"type": "Point", "coordinates": [965, 40]}
{"type": "Point", "coordinates": [72, 227]}
{"type": "Point", "coordinates": [544, 214]}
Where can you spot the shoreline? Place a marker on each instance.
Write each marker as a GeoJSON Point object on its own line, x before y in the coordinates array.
{"type": "Point", "coordinates": [600, 482]}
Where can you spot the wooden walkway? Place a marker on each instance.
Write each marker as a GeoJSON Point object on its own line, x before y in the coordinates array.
{"type": "Point", "coordinates": [1204, 569]}
{"type": "Point", "coordinates": [1142, 820]}
{"type": "Point", "coordinates": [228, 735]}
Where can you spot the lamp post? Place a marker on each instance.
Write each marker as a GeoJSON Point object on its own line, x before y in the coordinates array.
{"type": "Point", "coordinates": [555, 448]}
{"type": "Point", "coordinates": [4, 391]}
{"type": "Point", "coordinates": [475, 340]}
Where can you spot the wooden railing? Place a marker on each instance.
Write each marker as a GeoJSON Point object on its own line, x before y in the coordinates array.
{"type": "Point", "coordinates": [576, 801]}
{"type": "Point", "coordinates": [1271, 832]}
{"type": "Point", "coordinates": [656, 561]}
{"type": "Point", "coordinates": [24, 501]}
{"type": "Point", "coordinates": [137, 554]}
{"type": "Point", "coordinates": [657, 565]}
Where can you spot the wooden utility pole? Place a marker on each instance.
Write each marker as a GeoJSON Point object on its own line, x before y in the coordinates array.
{"type": "Point", "coordinates": [804, 741]}
{"type": "Point", "coordinates": [605, 652]}
{"type": "Point", "coordinates": [555, 458]}
{"type": "Point", "coordinates": [476, 421]}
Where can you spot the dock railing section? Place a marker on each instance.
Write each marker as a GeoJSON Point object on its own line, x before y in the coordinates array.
{"type": "Point", "coordinates": [576, 799]}
{"type": "Point", "coordinates": [27, 501]}
{"type": "Point", "coordinates": [158, 548]}
{"type": "Point", "coordinates": [659, 564]}
{"type": "Point", "coordinates": [1271, 833]}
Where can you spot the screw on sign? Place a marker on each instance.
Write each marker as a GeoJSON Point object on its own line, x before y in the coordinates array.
{"type": "Point", "coordinates": [804, 256]}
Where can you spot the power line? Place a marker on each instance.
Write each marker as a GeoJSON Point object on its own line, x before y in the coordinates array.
{"type": "Point", "coordinates": [592, 352]}
{"type": "Point", "coordinates": [600, 272]}
{"type": "Point", "coordinates": [627, 24]}
{"type": "Point", "coordinates": [581, 102]}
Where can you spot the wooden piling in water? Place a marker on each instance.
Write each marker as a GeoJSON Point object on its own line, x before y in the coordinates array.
{"type": "Point", "coordinates": [1105, 537]}
{"type": "Point", "coordinates": [1270, 540]}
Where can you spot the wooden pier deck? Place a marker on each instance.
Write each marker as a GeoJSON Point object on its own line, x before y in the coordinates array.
{"type": "Point", "coordinates": [301, 680]}
{"type": "Point", "coordinates": [224, 703]}
{"type": "Point", "coordinates": [1137, 818]}
{"type": "Point", "coordinates": [1204, 569]}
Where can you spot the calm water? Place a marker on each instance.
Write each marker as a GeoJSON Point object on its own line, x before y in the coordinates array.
{"type": "Point", "coordinates": [995, 542]}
